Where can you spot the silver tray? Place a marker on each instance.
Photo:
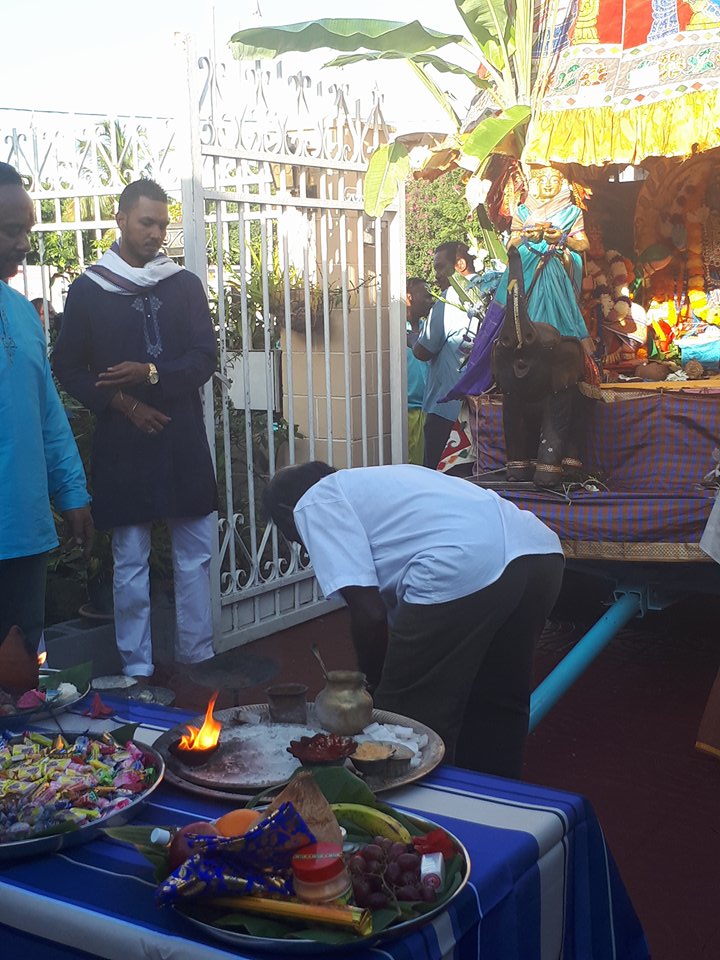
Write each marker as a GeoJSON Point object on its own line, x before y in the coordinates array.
{"type": "Point", "coordinates": [46, 711]}
{"type": "Point", "coordinates": [36, 846]}
{"type": "Point", "coordinates": [287, 947]}
{"type": "Point", "coordinates": [228, 774]}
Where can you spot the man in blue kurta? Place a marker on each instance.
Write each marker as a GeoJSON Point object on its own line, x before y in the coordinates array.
{"type": "Point", "coordinates": [39, 460]}
{"type": "Point", "coordinates": [136, 345]}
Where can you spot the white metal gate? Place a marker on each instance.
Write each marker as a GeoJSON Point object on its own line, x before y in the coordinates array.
{"type": "Point", "coordinates": [309, 300]}
{"type": "Point", "coordinates": [307, 292]}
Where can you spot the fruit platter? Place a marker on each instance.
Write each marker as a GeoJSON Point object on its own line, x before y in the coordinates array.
{"type": "Point", "coordinates": [57, 792]}
{"type": "Point", "coordinates": [324, 867]}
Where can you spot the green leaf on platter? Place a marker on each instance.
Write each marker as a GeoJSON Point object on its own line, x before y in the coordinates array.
{"type": "Point", "coordinates": [423, 59]}
{"type": "Point", "coordinates": [79, 676]}
{"type": "Point", "coordinates": [139, 837]}
{"type": "Point", "coordinates": [489, 133]}
{"type": "Point", "coordinates": [124, 733]}
{"type": "Point", "coordinates": [254, 925]}
{"type": "Point", "coordinates": [386, 173]}
{"type": "Point", "coordinates": [323, 935]}
{"type": "Point", "coordinates": [346, 35]}
{"type": "Point", "coordinates": [382, 919]}
{"type": "Point", "coordinates": [338, 785]}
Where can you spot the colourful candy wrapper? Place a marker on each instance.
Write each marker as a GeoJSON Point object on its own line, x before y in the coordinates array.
{"type": "Point", "coordinates": [259, 860]}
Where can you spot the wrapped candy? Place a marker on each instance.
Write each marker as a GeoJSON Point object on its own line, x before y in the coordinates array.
{"type": "Point", "coordinates": [44, 784]}
{"type": "Point", "coordinates": [258, 861]}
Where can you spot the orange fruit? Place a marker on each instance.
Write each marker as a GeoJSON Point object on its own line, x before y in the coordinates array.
{"type": "Point", "coordinates": [237, 822]}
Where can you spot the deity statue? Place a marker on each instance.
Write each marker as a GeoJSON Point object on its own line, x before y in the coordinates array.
{"type": "Point", "coordinates": [549, 232]}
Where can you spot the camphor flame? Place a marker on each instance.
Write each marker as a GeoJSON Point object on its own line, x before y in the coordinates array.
{"type": "Point", "coordinates": [42, 657]}
{"type": "Point", "coordinates": [208, 734]}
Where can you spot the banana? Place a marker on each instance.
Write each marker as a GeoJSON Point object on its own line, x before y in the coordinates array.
{"type": "Point", "coordinates": [372, 821]}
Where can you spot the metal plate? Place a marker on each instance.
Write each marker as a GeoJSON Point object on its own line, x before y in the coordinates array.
{"type": "Point", "coordinates": [287, 947]}
{"type": "Point", "coordinates": [35, 846]}
{"type": "Point", "coordinates": [56, 707]}
{"type": "Point", "coordinates": [232, 771]}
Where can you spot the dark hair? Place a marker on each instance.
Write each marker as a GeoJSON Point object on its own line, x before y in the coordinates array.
{"type": "Point", "coordinates": [454, 251]}
{"type": "Point", "coordinates": [9, 177]}
{"type": "Point", "coordinates": [414, 282]}
{"type": "Point", "coordinates": [141, 188]}
{"type": "Point", "coordinates": [290, 484]}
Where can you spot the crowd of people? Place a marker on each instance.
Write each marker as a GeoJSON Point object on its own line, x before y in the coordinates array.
{"type": "Point", "coordinates": [448, 585]}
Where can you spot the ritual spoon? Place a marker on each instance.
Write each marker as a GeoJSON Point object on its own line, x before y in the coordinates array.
{"type": "Point", "coordinates": [316, 653]}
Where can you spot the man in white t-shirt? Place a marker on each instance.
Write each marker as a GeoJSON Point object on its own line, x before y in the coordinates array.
{"type": "Point", "coordinates": [448, 586]}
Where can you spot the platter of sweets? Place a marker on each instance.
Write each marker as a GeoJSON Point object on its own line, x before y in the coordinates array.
{"type": "Point", "coordinates": [307, 876]}
{"type": "Point", "coordinates": [57, 792]}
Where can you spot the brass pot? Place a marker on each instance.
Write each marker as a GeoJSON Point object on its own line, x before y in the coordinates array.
{"type": "Point", "coordinates": [344, 705]}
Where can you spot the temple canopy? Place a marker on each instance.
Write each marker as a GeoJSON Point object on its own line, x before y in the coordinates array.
{"type": "Point", "coordinates": [626, 80]}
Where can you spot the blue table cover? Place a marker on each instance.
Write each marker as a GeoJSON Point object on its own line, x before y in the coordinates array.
{"type": "Point", "coordinates": [543, 884]}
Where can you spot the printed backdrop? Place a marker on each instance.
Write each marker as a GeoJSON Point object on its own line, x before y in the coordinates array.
{"type": "Point", "coordinates": [624, 80]}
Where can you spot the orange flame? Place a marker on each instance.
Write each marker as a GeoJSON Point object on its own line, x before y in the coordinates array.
{"type": "Point", "coordinates": [42, 657]}
{"type": "Point", "coordinates": [208, 734]}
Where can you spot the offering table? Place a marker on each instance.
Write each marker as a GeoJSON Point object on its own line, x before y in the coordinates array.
{"type": "Point", "coordinates": [543, 884]}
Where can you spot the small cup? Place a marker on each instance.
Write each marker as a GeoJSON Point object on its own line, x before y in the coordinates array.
{"type": "Point", "coordinates": [287, 703]}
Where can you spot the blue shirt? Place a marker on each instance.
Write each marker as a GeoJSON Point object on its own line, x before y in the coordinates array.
{"type": "Point", "coordinates": [443, 337]}
{"type": "Point", "coordinates": [39, 459]}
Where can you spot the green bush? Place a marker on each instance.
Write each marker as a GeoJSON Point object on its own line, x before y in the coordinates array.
{"type": "Point", "coordinates": [435, 213]}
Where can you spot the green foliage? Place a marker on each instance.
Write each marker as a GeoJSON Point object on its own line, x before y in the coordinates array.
{"type": "Point", "coordinates": [270, 42]}
{"type": "Point", "coordinates": [388, 168]}
{"type": "Point", "coordinates": [435, 213]}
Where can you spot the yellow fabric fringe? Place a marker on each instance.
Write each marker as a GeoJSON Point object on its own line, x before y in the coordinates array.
{"type": "Point", "coordinates": [594, 136]}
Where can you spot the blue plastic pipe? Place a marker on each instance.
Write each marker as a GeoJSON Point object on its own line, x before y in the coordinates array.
{"type": "Point", "coordinates": [574, 664]}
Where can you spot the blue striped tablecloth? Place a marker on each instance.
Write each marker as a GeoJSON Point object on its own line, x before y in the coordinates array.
{"type": "Point", "coordinates": [543, 884]}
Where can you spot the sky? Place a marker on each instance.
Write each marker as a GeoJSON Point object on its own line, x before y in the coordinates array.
{"type": "Point", "coordinates": [85, 56]}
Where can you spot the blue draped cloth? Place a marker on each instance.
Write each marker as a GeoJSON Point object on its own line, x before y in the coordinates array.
{"type": "Point", "coordinates": [552, 299]}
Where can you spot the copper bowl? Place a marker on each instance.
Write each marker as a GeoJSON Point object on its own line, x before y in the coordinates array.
{"type": "Point", "coordinates": [323, 748]}
{"type": "Point", "coordinates": [195, 757]}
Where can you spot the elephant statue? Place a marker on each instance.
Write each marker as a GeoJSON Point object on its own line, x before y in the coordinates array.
{"type": "Point", "coordinates": [538, 371]}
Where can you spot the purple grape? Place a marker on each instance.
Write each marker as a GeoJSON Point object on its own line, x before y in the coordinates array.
{"type": "Point", "coordinates": [409, 878]}
{"type": "Point", "coordinates": [429, 895]}
{"type": "Point", "coordinates": [377, 901]}
{"type": "Point", "coordinates": [393, 872]}
{"type": "Point", "coordinates": [397, 850]}
{"type": "Point", "coordinates": [361, 891]}
{"type": "Point", "coordinates": [373, 852]}
{"type": "Point", "coordinates": [408, 892]}
{"type": "Point", "coordinates": [357, 864]}
{"type": "Point", "coordinates": [409, 861]}
{"type": "Point", "coordinates": [375, 867]}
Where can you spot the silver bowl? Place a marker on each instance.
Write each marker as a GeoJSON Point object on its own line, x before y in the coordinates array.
{"type": "Point", "coordinates": [53, 843]}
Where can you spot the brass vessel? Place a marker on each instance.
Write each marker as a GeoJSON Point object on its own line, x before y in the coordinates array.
{"type": "Point", "coordinates": [344, 705]}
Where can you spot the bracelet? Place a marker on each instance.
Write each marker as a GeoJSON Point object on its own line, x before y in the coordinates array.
{"type": "Point", "coordinates": [133, 408]}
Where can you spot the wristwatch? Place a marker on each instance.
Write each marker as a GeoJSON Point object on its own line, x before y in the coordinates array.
{"type": "Point", "coordinates": [153, 376]}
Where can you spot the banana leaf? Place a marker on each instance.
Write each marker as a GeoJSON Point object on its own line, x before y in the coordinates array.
{"type": "Point", "coordinates": [262, 43]}
{"type": "Point", "coordinates": [422, 59]}
{"type": "Point", "coordinates": [386, 172]}
{"type": "Point", "coordinates": [489, 133]}
{"type": "Point", "coordinates": [491, 27]}
{"type": "Point", "coordinates": [79, 676]}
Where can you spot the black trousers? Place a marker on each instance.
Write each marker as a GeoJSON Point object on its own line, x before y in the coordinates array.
{"type": "Point", "coordinates": [465, 667]}
{"type": "Point", "coordinates": [436, 433]}
{"type": "Point", "coordinates": [22, 596]}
